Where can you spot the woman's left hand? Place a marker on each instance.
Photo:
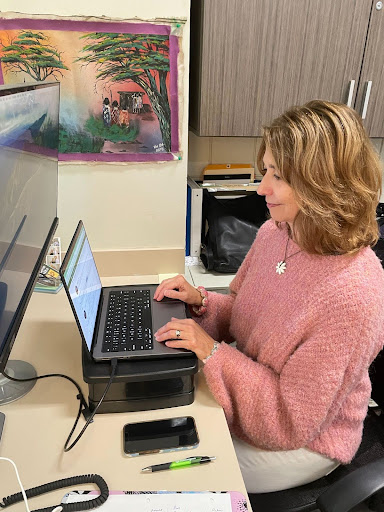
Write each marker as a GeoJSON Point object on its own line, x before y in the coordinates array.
{"type": "Point", "coordinates": [191, 336]}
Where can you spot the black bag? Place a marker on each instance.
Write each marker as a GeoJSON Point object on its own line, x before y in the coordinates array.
{"type": "Point", "coordinates": [229, 227]}
{"type": "Point", "coordinates": [379, 247]}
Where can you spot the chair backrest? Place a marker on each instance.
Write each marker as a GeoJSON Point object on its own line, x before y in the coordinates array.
{"type": "Point", "coordinates": [376, 374]}
{"type": "Point", "coordinates": [376, 371]}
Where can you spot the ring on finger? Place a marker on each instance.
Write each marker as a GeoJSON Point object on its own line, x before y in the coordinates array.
{"type": "Point", "coordinates": [178, 334]}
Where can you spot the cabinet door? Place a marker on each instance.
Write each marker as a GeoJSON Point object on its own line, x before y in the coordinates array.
{"type": "Point", "coordinates": [373, 72]}
{"type": "Point", "coordinates": [259, 57]}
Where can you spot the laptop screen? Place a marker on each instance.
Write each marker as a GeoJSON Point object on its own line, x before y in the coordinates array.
{"type": "Point", "coordinates": [83, 282]}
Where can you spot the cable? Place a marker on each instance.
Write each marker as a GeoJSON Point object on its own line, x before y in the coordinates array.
{"type": "Point", "coordinates": [83, 407]}
{"type": "Point", "coordinates": [59, 484]}
{"type": "Point", "coordinates": [49, 375]}
{"type": "Point", "coordinates": [89, 420]}
{"type": "Point", "coordinates": [19, 480]}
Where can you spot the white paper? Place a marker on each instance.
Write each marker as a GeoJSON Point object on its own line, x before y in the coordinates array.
{"type": "Point", "coordinates": [167, 502]}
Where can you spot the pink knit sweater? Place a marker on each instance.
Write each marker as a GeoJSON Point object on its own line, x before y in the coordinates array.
{"type": "Point", "coordinates": [305, 339]}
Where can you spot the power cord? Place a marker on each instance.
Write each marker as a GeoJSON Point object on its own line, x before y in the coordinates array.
{"type": "Point", "coordinates": [90, 419]}
{"type": "Point", "coordinates": [83, 407]}
{"type": "Point", "coordinates": [20, 484]}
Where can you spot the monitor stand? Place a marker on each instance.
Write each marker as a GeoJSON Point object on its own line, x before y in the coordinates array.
{"type": "Point", "coordinates": [11, 390]}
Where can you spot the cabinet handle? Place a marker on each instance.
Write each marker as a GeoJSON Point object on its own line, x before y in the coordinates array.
{"type": "Point", "coordinates": [366, 99]}
{"type": "Point", "coordinates": [350, 92]}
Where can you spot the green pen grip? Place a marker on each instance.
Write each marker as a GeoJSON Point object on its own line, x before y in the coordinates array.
{"type": "Point", "coordinates": [184, 463]}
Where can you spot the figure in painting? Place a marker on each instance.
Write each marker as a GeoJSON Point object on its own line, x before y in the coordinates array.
{"type": "Point", "coordinates": [134, 104]}
{"type": "Point", "coordinates": [115, 113]}
{"type": "Point", "coordinates": [124, 116]}
{"type": "Point", "coordinates": [106, 112]}
{"type": "Point", "coordinates": [139, 103]}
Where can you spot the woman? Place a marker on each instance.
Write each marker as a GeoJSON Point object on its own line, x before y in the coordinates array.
{"type": "Point", "coordinates": [306, 307]}
{"type": "Point", "coordinates": [115, 113]}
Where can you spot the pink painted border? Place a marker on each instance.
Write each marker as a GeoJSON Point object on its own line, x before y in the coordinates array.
{"type": "Point", "coordinates": [132, 28]}
{"type": "Point", "coordinates": [118, 157]}
{"type": "Point", "coordinates": [85, 26]}
{"type": "Point", "coordinates": [173, 54]}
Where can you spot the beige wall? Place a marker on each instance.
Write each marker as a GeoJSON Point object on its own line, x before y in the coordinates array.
{"type": "Point", "coordinates": [234, 150]}
{"type": "Point", "coordinates": [129, 207]}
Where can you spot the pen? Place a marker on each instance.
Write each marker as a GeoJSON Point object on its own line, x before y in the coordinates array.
{"type": "Point", "coordinates": [184, 463]}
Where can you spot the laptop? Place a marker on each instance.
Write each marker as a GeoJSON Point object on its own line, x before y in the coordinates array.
{"type": "Point", "coordinates": [116, 321]}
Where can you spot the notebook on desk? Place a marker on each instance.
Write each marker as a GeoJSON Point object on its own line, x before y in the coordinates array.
{"type": "Point", "coordinates": [165, 501]}
{"type": "Point", "coordinates": [119, 321]}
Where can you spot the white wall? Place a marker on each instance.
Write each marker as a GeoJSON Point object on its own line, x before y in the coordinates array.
{"type": "Point", "coordinates": [133, 205]}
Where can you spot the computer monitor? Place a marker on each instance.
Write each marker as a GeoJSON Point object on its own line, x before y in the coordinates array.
{"type": "Point", "coordinates": [29, 125]}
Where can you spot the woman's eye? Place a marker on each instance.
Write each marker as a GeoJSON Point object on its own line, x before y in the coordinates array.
{"type": "Point", "coordinates": [277, 177]}
{"type": "Point", "coordinates": [263, 171]}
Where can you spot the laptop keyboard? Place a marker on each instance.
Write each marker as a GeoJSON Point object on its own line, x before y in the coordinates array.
{"type": "Point", "coordinates": [128, 325]}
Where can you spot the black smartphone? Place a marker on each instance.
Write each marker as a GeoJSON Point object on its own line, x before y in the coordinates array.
{"type": "Point", "coordinates": [160, 436]}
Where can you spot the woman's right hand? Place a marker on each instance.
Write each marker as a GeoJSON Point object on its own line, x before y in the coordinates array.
{"type": "Point", "coordinates": [178, 288]}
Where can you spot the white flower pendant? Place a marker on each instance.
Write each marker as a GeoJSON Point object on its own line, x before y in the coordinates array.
{"type": "Point", "coordinates": [280, 267]}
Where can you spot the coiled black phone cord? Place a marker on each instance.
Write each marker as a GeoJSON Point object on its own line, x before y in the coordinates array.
{"type": "Point", "coordinates": [59, 484]}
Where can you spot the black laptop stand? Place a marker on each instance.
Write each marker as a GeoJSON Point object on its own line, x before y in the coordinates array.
{"type": "Point", "coordinates": [141, 385]}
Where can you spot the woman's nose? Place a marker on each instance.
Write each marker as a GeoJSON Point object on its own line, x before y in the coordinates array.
{"type": "Point", "coordinates": [264, 188]}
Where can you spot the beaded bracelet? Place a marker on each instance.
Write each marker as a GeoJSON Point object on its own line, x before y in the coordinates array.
{"type": "Point", "coordinates": [200, 310]}
{"type": "Point", "coordinates": [215, 348]}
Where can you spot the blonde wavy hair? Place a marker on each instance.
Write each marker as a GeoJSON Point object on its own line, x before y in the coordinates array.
{"type": "Point", "coordinates": [323, 152]}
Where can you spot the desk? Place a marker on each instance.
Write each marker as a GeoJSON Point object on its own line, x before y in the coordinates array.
{"type": "Point", "coordinates": [38, 424]}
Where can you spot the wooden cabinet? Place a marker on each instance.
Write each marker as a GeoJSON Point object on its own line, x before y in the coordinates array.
{"type": "Point", "coordinates": [371, 84]}
{"type": "Point", "coordinates": [252, 59]}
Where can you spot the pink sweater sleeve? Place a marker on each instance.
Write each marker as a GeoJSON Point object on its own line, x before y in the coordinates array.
{"type": "Point", "coordinates": [216, 320]}
{"type": "Point", "coordinates": [287, 410]}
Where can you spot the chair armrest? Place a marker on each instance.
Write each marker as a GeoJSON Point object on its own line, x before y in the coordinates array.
{"type": "Point", "coordinates": [354, 488]}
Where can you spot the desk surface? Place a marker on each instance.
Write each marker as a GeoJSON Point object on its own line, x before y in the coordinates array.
{"type": "Point", "coordinates": [38, 424]}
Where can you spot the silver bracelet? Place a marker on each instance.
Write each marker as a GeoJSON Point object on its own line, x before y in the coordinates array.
{"type": "Point", "coordinates": [215, 348]}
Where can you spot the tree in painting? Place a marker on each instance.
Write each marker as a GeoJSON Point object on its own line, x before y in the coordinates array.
{"type": "Point", "coordinates": [31, 53]}
{"type": "Point", "coordinates": [143, 59]}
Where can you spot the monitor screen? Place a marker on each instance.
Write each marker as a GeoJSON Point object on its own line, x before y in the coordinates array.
{"type": "Point", "coordinates": [28, 196]}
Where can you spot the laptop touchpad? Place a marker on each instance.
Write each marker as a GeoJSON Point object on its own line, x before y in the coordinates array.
{"type": "Point", "coordinates": [162, 312]}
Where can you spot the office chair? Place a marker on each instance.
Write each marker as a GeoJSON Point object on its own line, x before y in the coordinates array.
{"type": "Point", "coordinates": [341, 490]}
{"type": "Point", "coordinates": [348, 485]}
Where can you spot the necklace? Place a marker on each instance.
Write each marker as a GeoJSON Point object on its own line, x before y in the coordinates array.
{"type": "Point", "coordinates": [282, 265]}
